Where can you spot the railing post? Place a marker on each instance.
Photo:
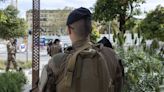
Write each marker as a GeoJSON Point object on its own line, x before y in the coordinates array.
{"type": "Point", "coordinates": [35, 44]}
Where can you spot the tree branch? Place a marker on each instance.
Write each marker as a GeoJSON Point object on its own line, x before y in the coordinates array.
{"type": "Point", "coordinates": [131, 11]}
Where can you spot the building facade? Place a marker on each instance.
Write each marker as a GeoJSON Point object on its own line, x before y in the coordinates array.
{"type": "Point", "coordinates": [52, 22]}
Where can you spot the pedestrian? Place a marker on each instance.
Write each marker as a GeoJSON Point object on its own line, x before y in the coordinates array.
{"type": "Point", "coordinates": [15, 46]}
{"type": "Point", "coordinates": [11, 50]}
{"type": "Point", "coordinates": [49, 48]}
{"type": "Point", "coordinates": [87, 67]}
{"type": "Point", "coordinates": [56, 47]}
{"type": "Point", "coordinates": [106, 42]}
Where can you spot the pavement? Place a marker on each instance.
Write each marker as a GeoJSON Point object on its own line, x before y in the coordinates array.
{"type": "Point", "coordinates": [28, 73]}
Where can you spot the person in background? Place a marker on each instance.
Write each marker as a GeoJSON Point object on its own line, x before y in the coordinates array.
{"type": "Point", "coordinates": [56, 47]}
{"type": "Point", "coordinates": [11, 50]}
{"type": "Point", "coordinates": [49, 48]}
{"type": "Point", "coordinates": [106, 42]}
{"type": "Point", "coordinates": [15, 45]}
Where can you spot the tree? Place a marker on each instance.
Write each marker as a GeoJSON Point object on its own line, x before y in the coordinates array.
{"type": "Point", "coordinates": [3, 18]}
{"type": "Point", "coordinates": [123, 10]}
{"type": "Point", "coordinates": [153, 25]}
{"type": "Point", "coordinates": [13, 26]}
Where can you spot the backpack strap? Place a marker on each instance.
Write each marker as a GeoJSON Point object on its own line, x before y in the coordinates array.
{"type": "Point", "coordinates": [71, 66]}
{"type": "Point", "coordinates": [109, 83]}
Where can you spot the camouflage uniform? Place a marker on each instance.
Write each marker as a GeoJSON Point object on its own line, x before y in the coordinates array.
{"type": "Point", "coordinates": [11, 49]}
{"type": "Point", "coordinates": [55, 49]}
{"type": "Point", "coordinates": [53, 72]}
{"type": "Point", "coordinates": [49, 48]}
{"type": "Point", "coordinates": [86, 67]}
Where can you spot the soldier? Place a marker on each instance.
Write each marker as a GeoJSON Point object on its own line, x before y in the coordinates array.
{"type": "Point", "coordinates": [49, 48]}
{"type": "Point", "coordinates": [106, 42]}
{"type": "Point", "coordinates": [86, 67]}
{"type": "Point", "coordinates": [11, 49]}
{"type": "Point", "coordinates": [56, 47]}
{"type": "Point", "coordinates": [15, 46]}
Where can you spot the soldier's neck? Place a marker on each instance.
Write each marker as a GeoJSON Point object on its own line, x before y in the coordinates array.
{"type": "Point", "coordinates": [80, 43]}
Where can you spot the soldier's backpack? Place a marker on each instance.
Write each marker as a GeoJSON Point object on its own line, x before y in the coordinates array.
{"type": "Point", "coordinates": [86, 71]}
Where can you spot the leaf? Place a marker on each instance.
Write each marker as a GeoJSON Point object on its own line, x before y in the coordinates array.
{"type": "Point", "coordinates": [154, 45]}
{"type": "Point", "coordinates": [135, 41]}
{"type": "Point", "coordinates": [132, 35]}
{"type": "Point", "coordinates": [114, 38]}
{"type": "Point", "coordinates": [143, 41]}
{"type": "Point", "coordinates": [148, 68]}
{"type": "Point", "coordinates": [139, 33]}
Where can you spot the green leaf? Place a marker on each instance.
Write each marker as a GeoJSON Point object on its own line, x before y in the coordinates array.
{"type": "Point", "coordinates": [152, 26]}
{"type": "Point", "coordinates": [135, 42]}
{"type": "Point", "coordinates": [12, 26]}
{"type": "Point", "coordinates": [154, 45]}
{"type": "Point", "coordinates": [132, 34]}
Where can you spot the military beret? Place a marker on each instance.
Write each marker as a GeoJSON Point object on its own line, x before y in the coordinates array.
{"type": "Point", "coordinates": [78, 14]}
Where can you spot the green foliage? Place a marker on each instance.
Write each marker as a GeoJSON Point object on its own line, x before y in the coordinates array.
{"type": "Point", "coordinates": [107, 10]}
{"type": "Point", "coordinates": [95, 34]}
{"type": "Point", "coordinates": [155, 44]}
{"type": "Point", "coordinates": [153, 25]}
{"type": "Point", "coordinates": [3, 18]}
{"type": "Point", "coordinates": [143, 72]}
{"type": "Point", "coordinates": [2, 65]}
{"type": "Point", "coordinates": [131, 24]}
{"type": "Point", "coordinates": [104, 27]}
{"type": "Point", "coordinates": [12, 82]}
{"type": "Point", "coordinates": [25, 65]}
{"type": "Point", "coordinates": [22, 64]}
{"type": "Point", "coordinates": [118, 36]}
{"type": "Point", "coordinates": [142, 64]}
{"type": "Point", "coordinates": [13, 26]}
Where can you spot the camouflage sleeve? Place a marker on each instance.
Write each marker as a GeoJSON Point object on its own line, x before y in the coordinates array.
{"type": "Point", "coordinates": [9, 46]}
{"type": "Point", "coordinates": [48, 78]}
{"type": "Point", "coordinates": [43, 79]}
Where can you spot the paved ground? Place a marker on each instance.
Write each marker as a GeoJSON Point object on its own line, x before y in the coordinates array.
{"type": "Point", "coordinates": [28, 73]}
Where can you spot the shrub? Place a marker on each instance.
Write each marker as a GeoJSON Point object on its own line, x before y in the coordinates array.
{"type": "Point", "coordinates": [12, 82]}
{"type": "Point", "coordinates": [25, 65]}
{"type": "Point", "coordinates": [143, 72]}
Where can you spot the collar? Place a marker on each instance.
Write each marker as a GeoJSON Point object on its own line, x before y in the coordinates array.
{"type": "Point", "coordinates": [80, 43]}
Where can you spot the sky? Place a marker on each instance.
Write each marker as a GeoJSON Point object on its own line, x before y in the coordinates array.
{"type": "Point", "coordinates": [24, 5]}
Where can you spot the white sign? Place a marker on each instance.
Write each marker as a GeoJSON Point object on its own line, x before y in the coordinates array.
{"type": "Point", "coordinates": [22, 47]}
